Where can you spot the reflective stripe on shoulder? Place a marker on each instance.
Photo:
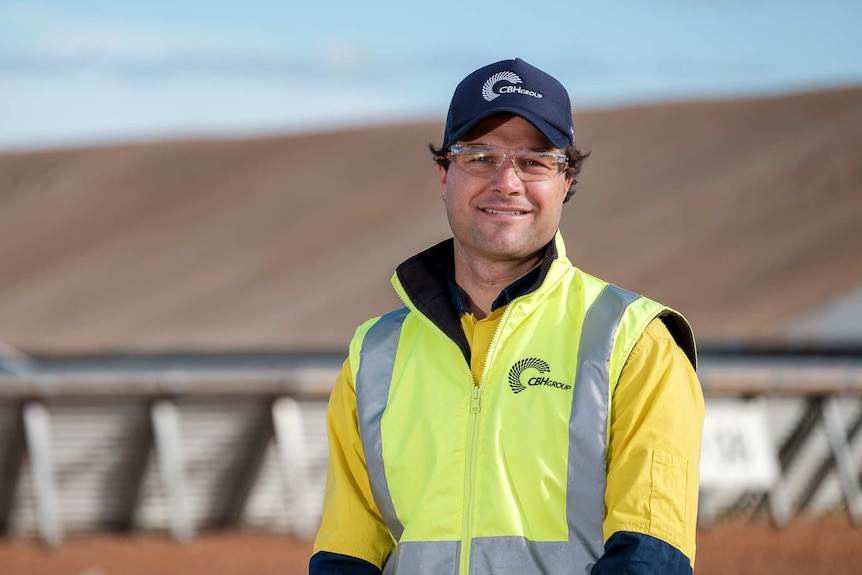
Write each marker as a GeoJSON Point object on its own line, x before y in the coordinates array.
{"type": "Point", "coordinates": [589, 420]}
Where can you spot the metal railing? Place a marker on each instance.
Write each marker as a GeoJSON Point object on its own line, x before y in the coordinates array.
{"type": "Point", "coordinates": [187, 445]}
{"type": "Point", "coordinates": [815, 415]}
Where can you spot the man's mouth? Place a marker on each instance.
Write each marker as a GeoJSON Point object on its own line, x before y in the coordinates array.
{"type": "Point", "coordinates": [503, 212]}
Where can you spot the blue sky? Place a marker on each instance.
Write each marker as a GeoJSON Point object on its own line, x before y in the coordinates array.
{"type": "Point", "coordinates": [83, 72]}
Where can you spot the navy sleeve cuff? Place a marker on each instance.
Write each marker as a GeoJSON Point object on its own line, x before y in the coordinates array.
{"type": "Point", "coordinates": [628, 553]}
{"type": "Point", "coordinates": [326, 563]}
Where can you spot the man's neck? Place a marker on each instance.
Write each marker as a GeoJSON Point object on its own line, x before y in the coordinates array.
{"type": "Point", "coordinates": [481, 281]}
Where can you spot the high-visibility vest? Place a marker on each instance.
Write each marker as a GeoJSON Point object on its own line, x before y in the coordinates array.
{"type": "Point", "coordinates": [507, 476]}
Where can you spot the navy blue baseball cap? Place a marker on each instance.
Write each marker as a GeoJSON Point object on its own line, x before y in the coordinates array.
{"type": "Point", "coordinates": [516, 87]}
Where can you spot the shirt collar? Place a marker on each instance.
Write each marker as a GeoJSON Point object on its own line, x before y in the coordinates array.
{"type": "Point", "coordinates": [521, 286]}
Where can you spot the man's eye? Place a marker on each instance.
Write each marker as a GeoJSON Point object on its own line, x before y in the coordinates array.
{"type": "Point", "coordinates": [481, 158]}
{"type": "Point", "coordinates": [536, 161]}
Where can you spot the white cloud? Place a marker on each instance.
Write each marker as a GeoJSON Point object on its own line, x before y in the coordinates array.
{"type": "Point", "coordinates": [60, 36]}
{"type": "Point", "coordinates": [91, 108]}
{"type": "Point", "coordinates": [49, 33]}
{"type": "Point", "coordinates": [342, 54]}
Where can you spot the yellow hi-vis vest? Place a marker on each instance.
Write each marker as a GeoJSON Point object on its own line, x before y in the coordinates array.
{"type": "Point", "coordinates": [507, 476]}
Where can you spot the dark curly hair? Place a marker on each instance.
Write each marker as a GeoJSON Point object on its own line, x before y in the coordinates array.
{"type": "Point", "coordinates": [576, 162]}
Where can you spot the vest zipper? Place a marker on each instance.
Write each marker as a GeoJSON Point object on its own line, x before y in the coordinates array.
{"type": "Point", "coordinates": [476, 406]}
{"type": "Point", "coordinates": [472, 434]}
{"type": "Point", "coordinates": [472, 431]}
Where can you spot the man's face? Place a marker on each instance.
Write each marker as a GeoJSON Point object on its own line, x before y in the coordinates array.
{"type": "Point", "coordinates": [502, 218]}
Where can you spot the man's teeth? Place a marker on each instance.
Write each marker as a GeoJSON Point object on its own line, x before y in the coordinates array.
{"type": "Point", "coordinates": [503, 213]}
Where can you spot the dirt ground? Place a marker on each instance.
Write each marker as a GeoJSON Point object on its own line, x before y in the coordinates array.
{"type": "Point", "coordinates": [828, 547]}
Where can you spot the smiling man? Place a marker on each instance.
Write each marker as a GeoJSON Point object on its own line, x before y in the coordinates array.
{"type": "Point", "coordinates": [516, 415]}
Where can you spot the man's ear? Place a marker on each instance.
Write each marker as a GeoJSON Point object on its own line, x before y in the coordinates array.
{"type": "Point", "coordinates": [568, 187]}
{"type": "Point", "coordinates": [443, 173]}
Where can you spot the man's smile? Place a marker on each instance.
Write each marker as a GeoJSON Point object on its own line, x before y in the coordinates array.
{"type": "Point", "coordinates": [508, 212]}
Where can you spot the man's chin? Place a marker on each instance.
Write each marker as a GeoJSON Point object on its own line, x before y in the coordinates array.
{"type": "Point", "coordinates": [515, 252]}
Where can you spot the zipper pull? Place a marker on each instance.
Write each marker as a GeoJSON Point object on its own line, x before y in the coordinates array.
{"type": "Point", "coordinates": [477, 392]}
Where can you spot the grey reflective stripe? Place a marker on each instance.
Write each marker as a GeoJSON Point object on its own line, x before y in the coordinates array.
{"type": "Point", "coordinates": [589, 420]}
{"type": "Point", "coordinates": [497, 555]}
{"type": "Point", "coordinates": [424, 558]}
{"type": "Point", "coordinates": [377, 360]}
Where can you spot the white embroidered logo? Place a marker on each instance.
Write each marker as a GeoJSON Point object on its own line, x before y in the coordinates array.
{"type": "Point", "coordinates": [488, 88]}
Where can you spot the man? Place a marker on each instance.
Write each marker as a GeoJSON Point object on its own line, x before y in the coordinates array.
{"type": "Point", "coordinates": [516, 416]}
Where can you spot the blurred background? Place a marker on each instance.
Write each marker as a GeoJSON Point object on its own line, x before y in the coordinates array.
{"type": "Point", "coordinates": [200, 201]}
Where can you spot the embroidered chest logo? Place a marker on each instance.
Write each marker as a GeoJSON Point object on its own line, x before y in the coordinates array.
{"type": "Point", "coordinates": [532, 364]}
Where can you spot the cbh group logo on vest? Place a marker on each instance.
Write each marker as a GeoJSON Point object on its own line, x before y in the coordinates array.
{"type": "Point", "coordinates": [532, 364]}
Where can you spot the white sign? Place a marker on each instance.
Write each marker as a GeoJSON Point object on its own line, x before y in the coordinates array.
{"type": "Point", "coordinates": [737, 451]}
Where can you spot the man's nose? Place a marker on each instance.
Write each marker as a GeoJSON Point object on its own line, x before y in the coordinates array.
{"type": "Point", "coordinates": [507, 175]}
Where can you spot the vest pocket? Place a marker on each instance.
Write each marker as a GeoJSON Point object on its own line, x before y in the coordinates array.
{"type": "Point", "coordinates": [668, 497]}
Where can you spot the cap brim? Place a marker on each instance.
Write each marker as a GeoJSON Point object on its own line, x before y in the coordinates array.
{"type": "Point", "coordinates": [555, 136]}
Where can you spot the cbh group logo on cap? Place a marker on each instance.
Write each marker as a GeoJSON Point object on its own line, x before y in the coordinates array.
{"type": "Point", "coordinates": [513, 79]}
